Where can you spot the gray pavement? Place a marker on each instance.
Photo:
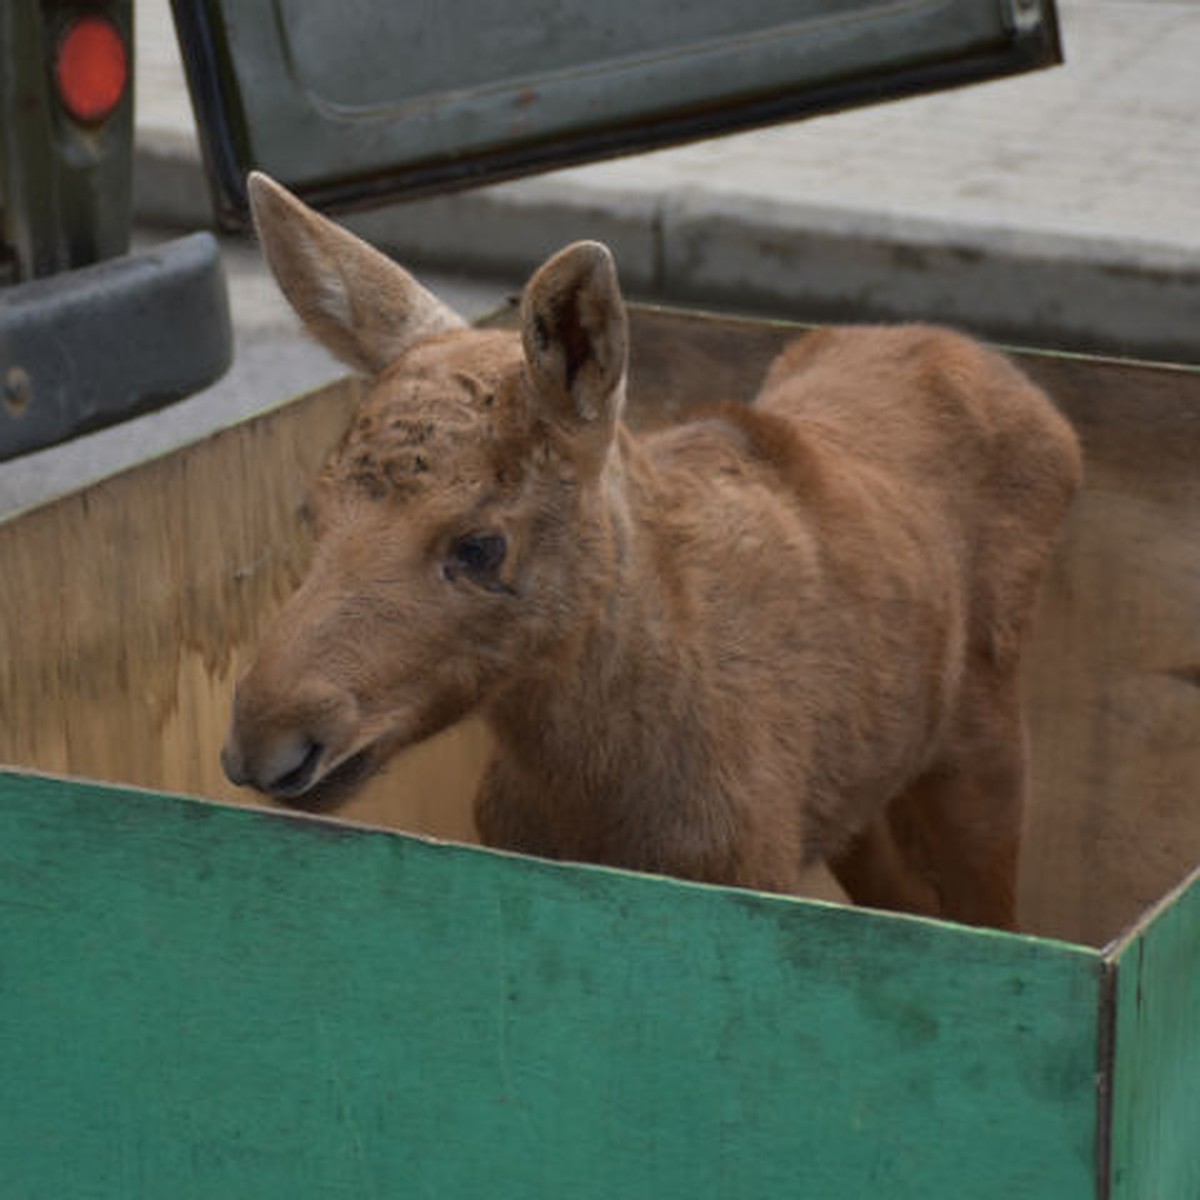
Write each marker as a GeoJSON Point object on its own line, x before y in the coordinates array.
{"type": "Point", "coordinates": [1058, 208]}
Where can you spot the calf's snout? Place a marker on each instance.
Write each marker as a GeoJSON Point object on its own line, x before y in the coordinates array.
{"type": "Point", "coordinates": [283, 745]}
{"type": "Point", "coordinates": [284, 768]}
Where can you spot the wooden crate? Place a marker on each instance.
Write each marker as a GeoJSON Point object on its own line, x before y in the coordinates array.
{"type": "Point", "coordinates": [205, 1000]}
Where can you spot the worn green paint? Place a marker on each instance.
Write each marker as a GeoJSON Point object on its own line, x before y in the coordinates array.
{"type": "Point", "coordinates": [1156, 1075]}
{"type": "Point", "coordinates": [201, 1001]}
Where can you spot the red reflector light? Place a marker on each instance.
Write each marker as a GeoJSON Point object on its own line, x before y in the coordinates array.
{"type": "Point", "coordinates": [92, 69]}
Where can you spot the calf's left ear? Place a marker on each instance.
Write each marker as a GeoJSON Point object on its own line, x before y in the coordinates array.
{"type": "Point", "coordinates": [575, 334]}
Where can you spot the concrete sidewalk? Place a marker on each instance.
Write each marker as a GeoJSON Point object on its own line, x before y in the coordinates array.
{"type": "Point", "coordinates": [1060, 208]}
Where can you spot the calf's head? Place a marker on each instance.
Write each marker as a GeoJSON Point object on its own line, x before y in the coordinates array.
{"type": "Point", "coordinates": [459, 524]}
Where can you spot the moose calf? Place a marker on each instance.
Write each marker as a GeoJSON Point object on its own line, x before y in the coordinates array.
{"type": "Point", "coordinates": [776, 634]}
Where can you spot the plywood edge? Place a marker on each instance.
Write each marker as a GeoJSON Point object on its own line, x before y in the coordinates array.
{"type": "Point", "coordinates": [1106, 1039]}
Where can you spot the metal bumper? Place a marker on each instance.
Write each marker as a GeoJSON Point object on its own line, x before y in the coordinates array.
{"type": "Point", "coordinates": [87, 348]}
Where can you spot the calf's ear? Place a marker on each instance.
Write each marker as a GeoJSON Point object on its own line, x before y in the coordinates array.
{"type": "Point", "coordinates": [575, 334]}
{"type": "Point", "coordinates": [358, 303]}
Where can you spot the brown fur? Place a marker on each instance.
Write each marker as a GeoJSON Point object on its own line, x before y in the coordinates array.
{"type": "Point", "coordinates": [776, 634]}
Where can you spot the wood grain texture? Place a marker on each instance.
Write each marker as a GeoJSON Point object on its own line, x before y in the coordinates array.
{"type": "Point", "coordinates": [1156, 1070]}
{"type": "Point", "coordinates": [131, 607]}
{"type": "Point", "coordinates": [203, 1001]}
{"type": "Point", "coordinates": [1112, 685]}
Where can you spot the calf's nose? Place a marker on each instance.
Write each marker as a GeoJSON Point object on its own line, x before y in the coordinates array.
{"type": "Point", "coordinates": [284, 767]}
{"type": "Point", "coordinates": [233, 764]}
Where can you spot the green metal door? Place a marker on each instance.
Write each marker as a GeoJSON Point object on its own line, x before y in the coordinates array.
{"type": "Point", "coordinates": [354, 101]}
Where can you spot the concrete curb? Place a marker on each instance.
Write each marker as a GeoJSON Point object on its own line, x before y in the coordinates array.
{"type": "Point", "coordinates": [1021, 287]}
{"type": "Point", "coordinates": [733, 251]}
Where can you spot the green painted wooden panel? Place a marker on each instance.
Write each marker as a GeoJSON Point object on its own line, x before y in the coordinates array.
{"type": "Point", "coordinates": [1156, 1075]}
{"type": "Point", "coordinates": [200, 1001]}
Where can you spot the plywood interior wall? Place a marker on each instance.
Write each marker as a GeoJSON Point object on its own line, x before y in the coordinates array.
{"type": "Point", "coordinates": [130, 609]}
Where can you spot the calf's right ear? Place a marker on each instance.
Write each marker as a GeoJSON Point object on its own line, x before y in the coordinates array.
{"type": "Point", "coordinates": [357, 302]}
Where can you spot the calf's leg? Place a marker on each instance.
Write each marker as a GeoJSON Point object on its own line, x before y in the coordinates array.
{"type": "Point", "coordinates": [949, 845]}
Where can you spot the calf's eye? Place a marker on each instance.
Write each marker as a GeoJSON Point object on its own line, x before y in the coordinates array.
{"type": "Point", "coordinates": [478, 556]}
